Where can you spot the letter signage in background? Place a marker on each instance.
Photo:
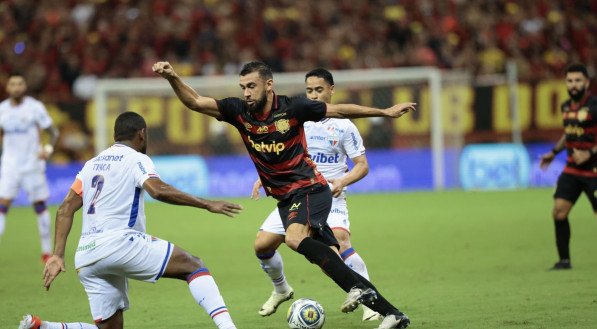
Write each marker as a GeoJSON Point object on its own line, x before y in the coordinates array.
{"type": "Point", "coordinates": [494, 166]}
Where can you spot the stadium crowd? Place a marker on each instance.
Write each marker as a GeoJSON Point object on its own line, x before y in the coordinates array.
{"type": "Point", "coordinates": [62, 47]}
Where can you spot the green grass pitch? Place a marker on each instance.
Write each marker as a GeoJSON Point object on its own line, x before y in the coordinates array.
{"type": "Point", "coordinates": [449, 260]}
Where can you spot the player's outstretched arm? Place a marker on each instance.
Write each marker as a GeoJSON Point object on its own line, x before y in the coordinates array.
{"type": "Point", "coordinates": [161, 191]}
{"type": "Point", "coordinates": [187, 95]}
{"type": "Point", "coordinates": [351, 111]}
{"type": "Point", "coordinates": [64, 221]}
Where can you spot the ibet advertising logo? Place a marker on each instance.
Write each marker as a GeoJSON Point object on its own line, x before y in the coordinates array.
{"type": "Point", "coordinates": [494, 166]}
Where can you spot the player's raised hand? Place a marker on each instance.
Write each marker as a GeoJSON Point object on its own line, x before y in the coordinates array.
{"type": "Point", "coordinates": [54, 266]}
{"type": "Point", "coordinates": [224, 207]}
{"type": "Point", "coordinates": [399, 110]}
{"type": "Point", "coordinates": [164, 69]}
{"type": "Point", "coordinates": [255, 192]}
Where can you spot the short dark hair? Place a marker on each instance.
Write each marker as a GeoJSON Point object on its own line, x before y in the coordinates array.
{"type": "Point", "coordinates": [265, 72]}
{"type": "Point", "coordinates": [578, 68]}
{"type": "Point", "coordinates": [16, 74]}
{"type": "Point", "coordinates": [321, 73]}
{"type": "Point", "coordinates": [127, 125]}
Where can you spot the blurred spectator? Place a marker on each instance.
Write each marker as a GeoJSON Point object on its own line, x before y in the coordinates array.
{"type": "Point", "coordinates": [74, 143]}
{"type": "Point", "coordinates": [63, 47]}
{"type": "Point", "coordinates": [119, 38]}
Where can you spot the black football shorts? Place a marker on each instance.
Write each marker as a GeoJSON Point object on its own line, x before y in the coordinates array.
{"type": "Point", "coordinates": [570, 187]}
{"type": "Point", "coordinates": [310, 206]}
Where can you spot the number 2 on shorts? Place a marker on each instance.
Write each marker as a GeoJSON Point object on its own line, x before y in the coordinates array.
{"type": "Point", "coordinates": [97, 182]}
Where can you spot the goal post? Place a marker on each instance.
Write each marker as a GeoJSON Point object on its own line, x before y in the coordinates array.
{"type": "Point", "coordinates": [428, 78]}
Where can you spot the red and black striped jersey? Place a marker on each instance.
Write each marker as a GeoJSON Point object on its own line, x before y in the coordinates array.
{"type": "Point", "coordinates": [580, 128]}
{"type": "Point", "coordinates": [277, 144]}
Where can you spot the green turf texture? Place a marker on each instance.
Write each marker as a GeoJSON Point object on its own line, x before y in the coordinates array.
{"type": "Point", "coordinates": [449, 260]}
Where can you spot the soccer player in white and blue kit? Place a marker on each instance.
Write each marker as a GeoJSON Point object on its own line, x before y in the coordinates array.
{"type": "Point", "coordinates": [330, 143]}
{"type": "Point", "coordinates": [23, 158]}
{"type": "Point", "coordinates": [114, 246]}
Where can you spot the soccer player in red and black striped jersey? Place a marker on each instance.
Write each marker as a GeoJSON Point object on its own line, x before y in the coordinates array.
{"type": "Point", "coordinates": [271, 126]}
{"type": "Point", "coordinates": [580, 141]}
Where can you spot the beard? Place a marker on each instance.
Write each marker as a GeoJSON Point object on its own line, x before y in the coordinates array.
{"type": "Point", "coordinates": [17, 95]}
{"type": "Point", "coordinates": [580, 93]}
{"type": "Point", "coordinates": [258, 105]}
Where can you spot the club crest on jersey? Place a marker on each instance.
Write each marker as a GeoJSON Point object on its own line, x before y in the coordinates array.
{"type": "Point", "coordinates": [583, 114]}
{"type": "Point", "coordinates": [332, 136]}
{"type": "Point", "coordinates": [282, 125]}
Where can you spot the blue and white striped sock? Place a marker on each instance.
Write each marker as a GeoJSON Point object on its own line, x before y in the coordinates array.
{"type": "Point", "coordinates": [63, 325]}
{"type": "Point", "coordinates": [355, 262]}
{"type": "Point", "coordinates": [206, 293]}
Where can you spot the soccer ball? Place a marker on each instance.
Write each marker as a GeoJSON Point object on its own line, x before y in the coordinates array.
{"type": "Point", "coordinates": [305, 313]}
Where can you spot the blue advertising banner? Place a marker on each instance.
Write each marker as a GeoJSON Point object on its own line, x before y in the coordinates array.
{"type": "Point", "coordinates": [389, 171]}
{"type": "Point", "coordinates": [479, 167]}
{"type": "Point", "coordinates": [188, 173]}
{"type": "Point", "coordinates": [494, 167]}
{"type": "Point", "coordinates": [60, 178]}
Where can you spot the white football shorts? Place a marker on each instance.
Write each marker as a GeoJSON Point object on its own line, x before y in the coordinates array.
{"type": "Point", "coordinates": [33, 182]}
{"type": "Point", "coordinates": [337, 219]}
{"type": "Point", "coordinates": [142, 258]}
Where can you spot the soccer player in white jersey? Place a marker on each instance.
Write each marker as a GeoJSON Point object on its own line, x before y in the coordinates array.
{"type": "Point", "coordinates": [330, 142]}
{"type": "Point", "coordinates": [23, 163]}
{"type": "Point", "coordinates": [113, 246]}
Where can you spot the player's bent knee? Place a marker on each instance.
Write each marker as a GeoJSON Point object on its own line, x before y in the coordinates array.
{"type": "Point", "coordinates": [561, 209]}
{"type": "Point", "coordinates": [182, 264]}
{"type": "Point", "coordinates": [295, 234]}
{"type": "Point", "coordinates": [263, 248]}
{"type": "Point", "coordinates": [116, 321]}
{"type": "Point", "coordinates": [293, 241]}
{"type": "Point", "coordinates": [560, 213]}
{"type": "Point", "coordinates": [343, 239]}
{"type": "Point", "coordinates": [266, 243]}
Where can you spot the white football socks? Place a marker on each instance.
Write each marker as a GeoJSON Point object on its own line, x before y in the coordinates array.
{"type": "Point", "coordinates": [2, 223]}
{"type": "Point", "coordinates": [274, 268]}
{"type": "Point", "coordinates": [43, 224]}
{"type": "Point", "coordinates": [206, 293]}
{"type": "Point", "coordinates": [63, 325]}
{"type": "Point", "coordinates": [355, 262]}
